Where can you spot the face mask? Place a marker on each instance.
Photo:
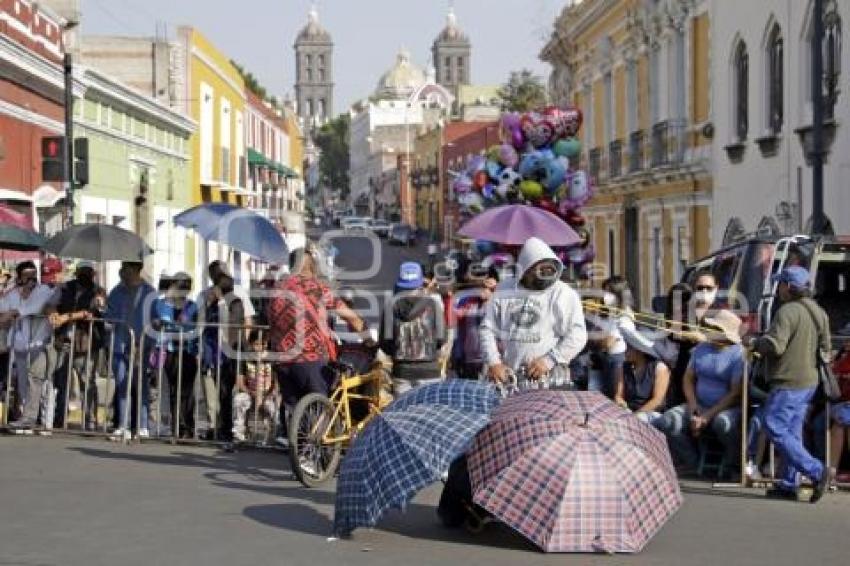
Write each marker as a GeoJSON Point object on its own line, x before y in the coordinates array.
{"type": "Point", "coordinates": [609, 299]}
{"type": "Point", "coordinates": [705, 297]}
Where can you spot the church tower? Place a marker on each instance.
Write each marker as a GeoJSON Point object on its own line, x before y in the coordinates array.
{"type": "Point", "coordinates": [314, 84]}
{"type": "Point", "coordinates": [452, 53]}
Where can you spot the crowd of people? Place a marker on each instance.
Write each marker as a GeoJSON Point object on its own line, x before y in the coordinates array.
{"type": "Point", "coordinates": [525, 328]}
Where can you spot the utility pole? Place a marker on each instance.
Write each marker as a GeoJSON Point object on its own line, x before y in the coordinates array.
{"type": "Point", "coordinates": [69, 139]}
{"type": "Point", "coordinates": [818, 217]}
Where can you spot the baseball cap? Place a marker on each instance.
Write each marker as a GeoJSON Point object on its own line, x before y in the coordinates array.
{"type": "Point", "coordinates": [51, 269]}
{"type": "Point", "coordinates": [410, 276]}
{"type": "Point", "coordinates": [795, 276]}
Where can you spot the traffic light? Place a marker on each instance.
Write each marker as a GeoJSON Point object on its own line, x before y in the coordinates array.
{"type": "Point", "coordinates": [53, 158]}
{"type": "Point", "coordinates": [81, 161]}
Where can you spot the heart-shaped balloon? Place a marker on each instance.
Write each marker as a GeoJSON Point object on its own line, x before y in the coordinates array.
{"type": "Point", "coordinates": [537, 129]}
{"type": "Point", "coordinates": [567, 121]}
{"type": "Point", "coordinates": [479, 180]}
{"type": "Point", "coordinates": [511, 129]}
{"type": "Point", "coordinates": [462, 185]}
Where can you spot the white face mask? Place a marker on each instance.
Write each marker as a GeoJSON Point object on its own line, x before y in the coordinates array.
{"type": "Point", "coordinates": [609, 299]}
{"type": "Point", "coordinates": [705, 297]}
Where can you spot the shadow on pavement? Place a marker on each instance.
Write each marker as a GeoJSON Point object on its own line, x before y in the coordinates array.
{"type": "Point", "coordinates": [291, 517]}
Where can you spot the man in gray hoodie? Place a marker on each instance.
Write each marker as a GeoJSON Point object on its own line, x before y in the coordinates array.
{"type": "Point", "coordinates": [534, 325]}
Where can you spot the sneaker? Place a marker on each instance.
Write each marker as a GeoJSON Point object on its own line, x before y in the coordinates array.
{"type": "Point", "coordinates": [282, 441]}
{"type": "Point", "coordinates": [308, 468]}
{"type": "Point", "coordinates": [753, 473]}
{"type": "Point", "coordinates": [45, 432]}
{"type": "Point", "coordinates": [779, 493]}
{"type": "Point", "coordinates": [238, 436]}
{"type": "Point", "coordinates": [822, 486]}
{"type": "Point", "coordinates": [120, 435]}
{"type": "Point", "coordinates": [21, 425]}
{"type": "Point", "coordinates": [143, 433]}
{"type": "Point", "coordinates": [91, 426]}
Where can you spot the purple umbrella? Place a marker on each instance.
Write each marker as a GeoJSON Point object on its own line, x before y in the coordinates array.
{"type": "Point", "coordinates": [514, 224]}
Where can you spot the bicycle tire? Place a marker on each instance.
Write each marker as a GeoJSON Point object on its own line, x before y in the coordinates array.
{"type": "Point", "coordinates": [306, 448]}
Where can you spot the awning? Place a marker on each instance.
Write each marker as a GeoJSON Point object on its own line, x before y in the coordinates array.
{"type": "Point", "coordinates": [258, 159]}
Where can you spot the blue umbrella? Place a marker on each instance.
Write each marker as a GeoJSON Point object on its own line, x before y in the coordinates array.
{"type": "Point", "coordinates": [407, 447]}
{"type": "Point", "coordinates": [239, 228]}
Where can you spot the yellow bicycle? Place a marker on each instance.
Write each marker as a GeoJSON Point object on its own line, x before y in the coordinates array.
{"type": "Point", "coordinates": [320, 427]}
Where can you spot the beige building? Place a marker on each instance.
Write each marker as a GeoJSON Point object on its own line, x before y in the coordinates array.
{"type": "Point", "coordinates": [640, 73]}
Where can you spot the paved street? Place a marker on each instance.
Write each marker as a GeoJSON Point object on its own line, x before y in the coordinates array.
{"type": "Point", "coordinates": [76, 501]}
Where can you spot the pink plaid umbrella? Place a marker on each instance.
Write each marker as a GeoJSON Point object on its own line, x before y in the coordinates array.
{"type": "Point", "coordinates": [573, 472]}
{"type": "Point", "coordinates": [514, 224]}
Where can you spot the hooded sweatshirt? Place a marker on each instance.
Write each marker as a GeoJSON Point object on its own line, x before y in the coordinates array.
{"type": "Point", "coordinates": [521, 325]}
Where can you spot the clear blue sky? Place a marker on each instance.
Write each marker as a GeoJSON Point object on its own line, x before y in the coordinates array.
{"type": "Point", "coordinates": [506, 34]}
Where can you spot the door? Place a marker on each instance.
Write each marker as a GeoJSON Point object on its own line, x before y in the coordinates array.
{"type": "Point", "coordinates": [632, 250]}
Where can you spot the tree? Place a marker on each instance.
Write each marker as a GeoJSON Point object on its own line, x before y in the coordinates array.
{"type": "Point", "coordinates": [332, 141]}
{"type": "Point", "coordinates": [524, 91]}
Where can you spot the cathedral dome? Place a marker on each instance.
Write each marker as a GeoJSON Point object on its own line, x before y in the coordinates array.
{"type": "Point", "coordinates": [313, 31]}
{"type": "Point", "coordinates": [402, 79]}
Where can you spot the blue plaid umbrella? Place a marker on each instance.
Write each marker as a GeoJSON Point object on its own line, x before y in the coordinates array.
{"type": "Point", "coordinates": [407, 447]}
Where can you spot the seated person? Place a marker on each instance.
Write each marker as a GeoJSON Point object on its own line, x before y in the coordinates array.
{"type": "Point", "coordinates": [643, 389]}
{"type": "Point", "coordinates": [839, 437]}
{"type": "Point", "coordinates": [255, 383]}
{"type": "Point", "coordinates": [712, 388]}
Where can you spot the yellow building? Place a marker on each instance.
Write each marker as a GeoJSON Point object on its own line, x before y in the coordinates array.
{"type": "Point", "coordinates": [296, 157]}
{"type": "Point", "coordinates": [425, 178]}
{"type": "Point", "coordinates": [640, 73]}
{"type": "Point", "coordinates": [215, 99]}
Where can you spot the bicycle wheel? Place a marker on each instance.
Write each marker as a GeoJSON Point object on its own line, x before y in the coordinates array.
{"type": "Point", "coordinates": [313, 462]}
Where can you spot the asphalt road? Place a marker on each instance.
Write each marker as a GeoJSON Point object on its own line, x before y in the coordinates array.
{"type": "Point", "coordinates": [76, 501]}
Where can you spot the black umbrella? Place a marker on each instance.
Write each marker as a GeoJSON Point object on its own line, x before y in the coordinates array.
{"type": "Point", "coordinates": [19, 239]}
{"type": "Point", "coordinates": [98, 242]}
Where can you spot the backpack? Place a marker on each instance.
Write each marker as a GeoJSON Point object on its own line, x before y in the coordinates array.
{"type": "Point", "coordinates": [416, 336]}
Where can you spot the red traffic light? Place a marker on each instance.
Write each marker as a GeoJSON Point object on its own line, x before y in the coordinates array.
{"type": "Point", "coordinates": [53, 147]}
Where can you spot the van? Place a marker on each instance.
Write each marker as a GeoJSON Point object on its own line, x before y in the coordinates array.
{"type": "Point", "coordinates": [744, 271]}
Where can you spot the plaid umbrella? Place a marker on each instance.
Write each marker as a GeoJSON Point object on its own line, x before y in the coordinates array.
{"type": "Point", "coordinates": [408, 446]}
{"type": "Point", "coordinates": [572, 472]}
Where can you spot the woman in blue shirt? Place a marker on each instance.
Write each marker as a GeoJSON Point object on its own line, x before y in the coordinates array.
{"type": "Point", "coordinates": [712, 389]}
{"type": "Point", "coordinates": [173, 314]}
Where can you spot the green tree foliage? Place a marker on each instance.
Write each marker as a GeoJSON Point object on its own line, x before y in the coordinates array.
{"type": "Point", "coordinates": [523, 92]}
{"type": "Point", "coordinates": [332, 141]}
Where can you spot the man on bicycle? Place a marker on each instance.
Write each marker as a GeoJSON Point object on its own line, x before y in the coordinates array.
{"type": "Point", "coordinates": [299, 331]}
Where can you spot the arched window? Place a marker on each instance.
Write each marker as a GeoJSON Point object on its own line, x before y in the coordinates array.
{"type": "Point", "coordinates": [741, 70]}
{"type": "Point", "coordinates": [775, 80]}
{"type": "Point", "coordinates": [831, 58]}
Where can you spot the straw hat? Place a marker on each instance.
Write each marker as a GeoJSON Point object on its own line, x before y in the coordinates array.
{"type": "Point", "coordinates": [727, 324]}
{"type": "Point", "coordinates": [637, 341]}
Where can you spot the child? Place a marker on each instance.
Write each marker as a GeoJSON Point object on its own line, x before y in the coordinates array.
{"type": "Point", "coordinates": [255, 383]}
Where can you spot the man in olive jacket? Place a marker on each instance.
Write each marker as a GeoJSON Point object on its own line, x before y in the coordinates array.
{"type": "Point", "coordinates": [790, 348]}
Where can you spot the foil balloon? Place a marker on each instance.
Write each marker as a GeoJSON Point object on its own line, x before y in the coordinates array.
{"type": "Point", "coordinates": [479, 179]}
{"type": "Point", "coordinates": [508, 184]}
{"type": "Point", "coordinates": [537, 129]}
{"type": "Point", "coordinates": [472, 202]}
{"type": "Point", "coordinates": [508, 156]}
{"type": "Point", "coordinates": [462, 185]}
{"type": "Point", "coordinates": [484, 248]}
{"type": "Point", "coordinates": [493, 168]}
{"type": "Point", "coordinates": [476, 164]}
{"type": "Point", "coordinates": [568, 147]}
{"type": "Point", "coordinates": [579, 191]}
{"type": "Point", "coordinates": [512, 130]}
{"type": "Point", "coordinates": [574, 219]}
{"type": "Point", "coordinates": [531, 190]}
{"type": "Point", "coordinates": [569, 121]}
{"type": "Point", "coordinates": [554, 173]}
{"type": "Point", "coordinates": [489, 192]}
{"type": "Point", "coordinates": [532, 166]}
{"type": "Point", "coordinates": [493, 153]}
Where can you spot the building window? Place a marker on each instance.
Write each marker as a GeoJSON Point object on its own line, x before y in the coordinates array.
{"type": "Point", "coordinates": [322, 75]}
{"type": "Point", "coordinates": [612, 250]}
{"type": "Point", "coordinates": [657, 287]}
{"type": "Point", "coordinates": [775, 80]}
{"type": "Point", "coordinates": [309, 74]}
{"type": "Point", "coordinates": [831, 59]}
{"type": "Point", "coordinates": [680, 103]}
{"type": "Point", "coordinates": [321, 60]}
{"type": "Point", "coordinates": [309, 59]}
{"type": "Point", "coordinates": [588, 129]}
{"type": "Point", "coordinates": [741, 72]}
{"type": "Point", "coordinates": [632, 96]}
{"type": "Point", "coordinates": [608, 116]}
{"type": "Point", "coordinates": [310, 107]}
{"type": "Point", "coordinates": [654, 85]}
{"type": "Point", "coordinates": [322, 108]}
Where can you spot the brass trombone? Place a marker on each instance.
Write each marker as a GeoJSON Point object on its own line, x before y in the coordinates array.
{"type": "Point", "coordinates": [652, 321]}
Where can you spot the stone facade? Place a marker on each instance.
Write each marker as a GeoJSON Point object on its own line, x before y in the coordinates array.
{"type": "Point", "coordinates": [452, 56]}
{"type": "Point", "coordinates": [314, 86]}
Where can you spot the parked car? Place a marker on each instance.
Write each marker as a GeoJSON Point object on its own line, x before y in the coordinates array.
{"type": "Point", "coordinates": [381, 228]}
{"type": "Point", "coordinates": [402, 234]}
{"type": "Point", "coordinates": [744, 270]}
{"type": "Point", "coordinates": [356, 226]}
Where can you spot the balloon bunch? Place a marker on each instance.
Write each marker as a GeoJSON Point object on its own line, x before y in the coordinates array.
{"type": "Point", "coordinates": [536, 164]}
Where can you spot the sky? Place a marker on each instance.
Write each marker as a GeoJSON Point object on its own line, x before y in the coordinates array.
{"type": "Point", "coordinates": [506, 35]}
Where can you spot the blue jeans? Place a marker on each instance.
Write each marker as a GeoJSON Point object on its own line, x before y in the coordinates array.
{"type": "Point", "coordinates": [123, 395]}
{"type": "Point", "coordinates": [606, 381]}
{"type": "Point", "coordinates": [676, 424]}
{"type": "Point", "coordinates": [784, 413]}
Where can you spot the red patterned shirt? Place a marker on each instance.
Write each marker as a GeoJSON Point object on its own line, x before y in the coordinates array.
{"type": "Point", "coordinates": [298, 316]}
